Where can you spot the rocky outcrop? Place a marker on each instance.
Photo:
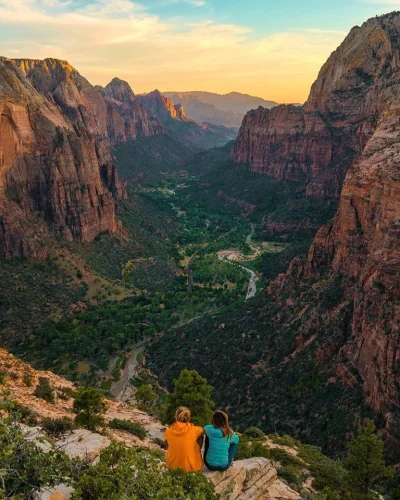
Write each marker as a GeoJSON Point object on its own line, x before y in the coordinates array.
{"type": "Point", "coordinates": [137, 122]}
{"type": "Point", "coordinates": [162, 107]}
{"type": "Point", "coordinates": [250, 479]}
{"type": "Point", "coordinates": [318, 142]}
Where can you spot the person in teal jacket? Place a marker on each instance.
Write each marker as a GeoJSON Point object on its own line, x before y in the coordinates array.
{"type": "Point", "coordinates": [221, 443]}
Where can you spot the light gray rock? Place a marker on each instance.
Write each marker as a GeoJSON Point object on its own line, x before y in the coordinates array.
{"type": "Point", "coordinates": [84, 444]}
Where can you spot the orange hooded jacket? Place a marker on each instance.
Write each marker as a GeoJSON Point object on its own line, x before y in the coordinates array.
{"type": "Point", "coordinates": [183, 450]}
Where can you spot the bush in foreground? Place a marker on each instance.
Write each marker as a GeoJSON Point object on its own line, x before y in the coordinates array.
{"type": "Point", "coordinates": [137, 473]}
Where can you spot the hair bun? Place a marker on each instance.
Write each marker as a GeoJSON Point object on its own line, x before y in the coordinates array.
{"type": "Point", "coordinates": [182, 414]}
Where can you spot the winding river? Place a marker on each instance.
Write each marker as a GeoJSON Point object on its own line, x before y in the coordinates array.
{"type": "Point", "coordinates": [234, 255]}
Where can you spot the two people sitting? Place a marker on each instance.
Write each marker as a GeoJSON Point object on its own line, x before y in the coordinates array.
{"type": "Point", "coordinates": [185, 441]}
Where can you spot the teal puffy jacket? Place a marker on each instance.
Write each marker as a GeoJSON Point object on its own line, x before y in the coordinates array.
{"type": "Point", "coordinates": [218, 451]}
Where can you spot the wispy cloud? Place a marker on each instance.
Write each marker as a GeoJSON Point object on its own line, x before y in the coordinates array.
{"type": "Point", "coordinates": [108, 38]}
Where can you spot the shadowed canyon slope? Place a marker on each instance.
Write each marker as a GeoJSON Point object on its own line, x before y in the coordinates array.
{"type": "Point", "coordinates": [319, 141]}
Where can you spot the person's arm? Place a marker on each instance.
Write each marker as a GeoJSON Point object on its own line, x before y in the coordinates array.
{"type": "Point", "coordinates": [200, 437]}
{"type": "Point", "coordinates": [233, 448]}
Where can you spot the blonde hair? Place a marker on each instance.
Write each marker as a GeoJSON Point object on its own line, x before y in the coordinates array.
{"type": "Point", "coordinates": [182, 414]}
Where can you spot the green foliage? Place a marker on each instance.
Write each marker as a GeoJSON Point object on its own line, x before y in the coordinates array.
{"type": "Point", "coordinates": [128, 426]}
{"type": "Point", "coordinates": [44, 390]}
{"type": "Point", "coordinates": [254, 432]}
{"type": "Point", "coordinates": [328, 474]}
{"type": "Point", "coordinates": [89, 405]}
{"type": "Point", "coordinates": [22, 413]}
{"type": "Point", "coordinates": [136, 473]}
{"type": "Point", "coordinates": [191, 390]}
{"type": "Point", "coordinates": [57, 427]}
{"type": "Point", "coordinates": [24, 467]}
{"type": "Point", "coordinates": [3, 377]}
{"type": "Point", "coordinates": [365, 464]}
{"type": "Point", "coordinates": [292, 475]}
{"type": "Point", "coordinates": [27, 379]}
{"type": "Point", "coordinates": [284, 440]}
{"type": "Point", "coordinates": [145, 395]}
{"type": "Point", "coordinates": [250, 449]}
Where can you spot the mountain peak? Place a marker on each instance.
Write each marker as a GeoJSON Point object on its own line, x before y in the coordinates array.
{"type": "Point", "coordinates": [120, 90]}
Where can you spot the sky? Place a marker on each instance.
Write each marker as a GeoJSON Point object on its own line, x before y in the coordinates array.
{"type": "Point", "coordinates": [268, 48]}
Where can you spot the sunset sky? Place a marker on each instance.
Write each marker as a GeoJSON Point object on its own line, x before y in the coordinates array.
{"type": "Point", "coordinates": [272, 49]}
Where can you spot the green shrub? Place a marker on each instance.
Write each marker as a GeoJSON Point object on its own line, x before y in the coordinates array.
{"type": "Point", "coordinates": [291, 474]}
{"type": "Point", "coordinates": [128, 426]}
{"type": "Point", "coordinates": [27, 380]}
{"type": "Point", "coordinates": [44, 390]}
{"type": "Point", "coordinates": [254, 432]}
{"type": "Point", "coordinates": [22, 413]}
{"type": "Point", "coordinates": [191, 390]}
{"type": "Point", "coordinates": [284, 440]}
{"type": "Point", "coordinates": [3, 377]}
{"type": "Point", "coordinates": [145, 395]}
{"type": "Point", "coordinates": [89, 405]}
{"type": "Point", "coordinates": [113, 478]}
{"type": "Point", "coordinates": [57, 427]}
{"type": "Point", "coordinates": [285, 458]}
{"type": "Point", "coordinates": [24, 467]}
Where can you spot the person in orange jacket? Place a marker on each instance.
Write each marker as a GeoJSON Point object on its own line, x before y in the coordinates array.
{"type": "Point", "coordinates": [184, 441]}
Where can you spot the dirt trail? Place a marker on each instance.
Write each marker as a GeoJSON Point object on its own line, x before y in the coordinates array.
{"type": "Point", "coordinates": [122, 390]}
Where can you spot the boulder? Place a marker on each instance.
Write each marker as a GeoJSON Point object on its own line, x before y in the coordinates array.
{"type": "Point", "coordinates": [250, 479]}
{"type": "Point", "coordinates": [84, 444]}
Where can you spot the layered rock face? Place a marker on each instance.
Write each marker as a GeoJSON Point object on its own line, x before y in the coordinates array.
{"type": "Point", "coordinates": [162, 107]}
{"type": "Point", "coordinates": [363, 242]}
{"type": "Point", "coordinates": [56, 133]}
{"type": "Point", "coordinates": [48, 168]}
{"type": "Point", "coordinates": [318, 142]}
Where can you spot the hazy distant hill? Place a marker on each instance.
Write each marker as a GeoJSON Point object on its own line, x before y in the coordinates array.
{"type": "Point", "coordinates": [227, 109]}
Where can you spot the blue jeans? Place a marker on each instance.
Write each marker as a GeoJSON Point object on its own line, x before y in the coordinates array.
{"type": "Point", "coordinates": [233, 448]}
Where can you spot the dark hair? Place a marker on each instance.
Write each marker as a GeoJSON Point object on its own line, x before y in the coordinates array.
{"type": "Point", "coordinates": [220, 421]}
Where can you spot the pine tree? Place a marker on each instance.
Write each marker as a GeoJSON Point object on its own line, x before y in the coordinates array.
{"type": "Point", "coordinates": [89, 405]}
{"type": "Point", "coordinates": [191, 390]}
{"type": "Point", "coordinates": [145, 395]}
{"type": "Point", "coordinates": [365, 463]}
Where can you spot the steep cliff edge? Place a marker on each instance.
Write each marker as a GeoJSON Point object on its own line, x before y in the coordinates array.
{"type": "Point", "coordinates": [49, 167]}
{"type": "Point", "coordinates": [318, 142]}
{"type": "Point", "coordinates": [362, 245]}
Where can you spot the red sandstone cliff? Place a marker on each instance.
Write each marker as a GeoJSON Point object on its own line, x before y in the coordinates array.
{"type": "Point", "coordinates": [363, 242]}
{"type": "Point", "coordinates": [319, 141]}
{"type": "Point", "coordinates": [56, 133]}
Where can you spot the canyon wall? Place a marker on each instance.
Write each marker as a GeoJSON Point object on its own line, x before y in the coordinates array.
{"type": "Point", "coordinates": [56, 166]}
{"type": "Point", "coordinates": [318, 142]}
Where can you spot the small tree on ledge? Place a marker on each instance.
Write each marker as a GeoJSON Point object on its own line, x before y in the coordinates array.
{"type": "Point", "coordinates": [191, 390]}
{"type": "Point", "coordinates": [90, 406]}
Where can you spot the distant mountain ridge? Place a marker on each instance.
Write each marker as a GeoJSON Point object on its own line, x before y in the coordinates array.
{"type": "Point", "coordinates": [184, 126]}
{"type": "Point", "coordinates": [220, 109]}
